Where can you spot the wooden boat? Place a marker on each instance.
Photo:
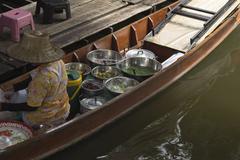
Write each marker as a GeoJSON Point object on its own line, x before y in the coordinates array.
{"type": "Point", "coordinates": [131, 36]}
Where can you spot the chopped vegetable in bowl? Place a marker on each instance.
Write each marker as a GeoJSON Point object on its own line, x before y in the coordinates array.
{"type": "Point", "coordinates": [118, 85]}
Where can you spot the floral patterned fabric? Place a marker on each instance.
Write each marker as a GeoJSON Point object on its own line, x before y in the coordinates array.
{"type": "Point", "coordinates": [48, 92]}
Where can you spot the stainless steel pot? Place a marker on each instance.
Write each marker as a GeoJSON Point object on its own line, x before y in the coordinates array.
{"type": "Point", "coordinates": [105, 72]}
{"type": "Point", "coordinates": [104, 57]}
{"type": "Point", "coordinates": [140, 53]}
{"type": "Point", "coordinates": [139, 68]}
{"type": "Point", "coordinates": [92, 87]}
{"type": "Point", "coordinates": [88, 104]}
{"type": "Point", "coordinates": [119, 85]}
{"type": "Point", "coordinates": [81, 67]}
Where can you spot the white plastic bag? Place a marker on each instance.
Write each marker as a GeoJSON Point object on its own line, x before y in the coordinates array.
{"type": "Point", "coordinates": [171, 60]}
{"type": "Point", "coordinates": [2, 96]}
{"type": "Point", "coordinates": [19, 96]}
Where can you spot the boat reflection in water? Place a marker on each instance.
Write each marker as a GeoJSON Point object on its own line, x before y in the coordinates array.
{"type": "Point", "coordinates": [189, 130]}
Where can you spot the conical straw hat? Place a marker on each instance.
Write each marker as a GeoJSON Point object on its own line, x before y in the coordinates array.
{"type": "Point", "coordinates": [35, 47]}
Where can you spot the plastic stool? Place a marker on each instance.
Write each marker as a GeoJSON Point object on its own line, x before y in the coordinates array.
{"type": "Point", "coordinates": [15, 20]}
{"type": "Point", "coordinates": [52, 6]}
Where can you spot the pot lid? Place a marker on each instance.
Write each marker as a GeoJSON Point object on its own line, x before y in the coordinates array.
{"type": "Point", "coordinates": [140, 53]}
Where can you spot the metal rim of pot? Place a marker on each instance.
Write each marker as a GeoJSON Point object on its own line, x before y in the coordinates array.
{"type": "Point", "coordinates": [87, 70]}
{"type": "Point", "coordinates": [92, 92]}
{"type": "Point", "coordinates": [156, 69]}
{"type": "Point", "coordinates": [104, 61]}
{"type": "Point", "coordinates": [113, 68]}
{"type": "Point", "coordinates": [118, 77]}
{"type": "Point", "coordinates": [85, 107]}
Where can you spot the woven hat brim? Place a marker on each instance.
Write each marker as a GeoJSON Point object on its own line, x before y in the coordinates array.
{"type": "Point", "coordinates": [20, 53]}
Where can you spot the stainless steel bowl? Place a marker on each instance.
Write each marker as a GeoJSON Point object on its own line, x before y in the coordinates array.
{"type": "Point", "coordinates": [139, 68]}
{"type": "Point", "coordinates": [140, 53]}
{"type": "Point", "coordinates": [92, 87]}
{"type": "Point", "coordinates": [81, 67]}
{"type": "Point", "coordinates": [104, 57]}
{"type": "Point", "coordinates": [118, 85]}
{"type": "Point", "coordinates": [105, 72]}
{"type": "Point", "coordinates": [88, 104]}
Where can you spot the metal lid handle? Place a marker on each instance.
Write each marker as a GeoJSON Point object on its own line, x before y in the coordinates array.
{"type": "Point", "coordinates": [140, 52]}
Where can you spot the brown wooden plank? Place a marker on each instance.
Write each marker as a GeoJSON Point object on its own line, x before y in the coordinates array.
{"type": "Point", "coordinates": [73, 3]}
{"type": "Point", "coordinates": [78, 9]}
{"type": "Point", "coordinates": [153, 2]}
{"type": "Point", "coordinates": [132, 1]}
{"type": "Point", "coordinates": [92, 27]}
{"type": "Point", "coordinates": [84, 13]}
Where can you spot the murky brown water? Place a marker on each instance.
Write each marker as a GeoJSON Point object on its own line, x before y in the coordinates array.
{"type": "Point", "coordinates": [197, 118]}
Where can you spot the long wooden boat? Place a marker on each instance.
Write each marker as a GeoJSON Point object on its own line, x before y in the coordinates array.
{"type": "Point", "coordinates": [131, 36]}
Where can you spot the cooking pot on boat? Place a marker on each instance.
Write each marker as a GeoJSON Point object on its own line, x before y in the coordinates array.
{"type": "Point", "coordinates": [105, 72]}
{"type": "Point", "coordinates": [119, 85]}
{"type": "Point", "coordinates": [77, 66]}
{"type": "Point", "coordinates": [140, 53]}
{"type": "Point", "coordinates": [92, 87]}
{"type": "Point", "coordinates": [103, 57]}
{"type": "Point", "coordinates": [88, 104]}
{"type": "Point", "coordinates": [139, 68]}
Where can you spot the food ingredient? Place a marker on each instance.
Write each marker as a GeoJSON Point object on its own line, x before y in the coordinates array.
{"type": "Point", "coordinates": [91, 86]}
{"type": "Point", "coordinates": [105, 74]}
{"type": "Point", "coordinates": [139, 70]}
{"type": "Point", "coordinates": [120, 87]}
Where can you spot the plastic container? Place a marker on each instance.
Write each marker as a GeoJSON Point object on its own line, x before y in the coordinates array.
{"type": "Point", "coordinates": [74, 84]}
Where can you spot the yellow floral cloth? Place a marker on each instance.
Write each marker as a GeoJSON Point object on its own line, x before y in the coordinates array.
{"type": "Point", "coordinates": [48, 92]}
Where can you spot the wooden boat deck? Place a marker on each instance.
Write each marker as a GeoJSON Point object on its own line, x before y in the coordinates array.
{"type": "Point", "coordinates": [88, 18]}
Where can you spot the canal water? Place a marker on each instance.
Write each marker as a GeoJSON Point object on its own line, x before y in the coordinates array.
{"type": "Point", "coordinates": [197, 118]}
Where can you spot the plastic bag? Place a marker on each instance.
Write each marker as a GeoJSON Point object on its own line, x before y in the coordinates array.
{"type": "Point", "coordinates": [2, 96]}
{"type": "Point", "coordinates": [19, 96]}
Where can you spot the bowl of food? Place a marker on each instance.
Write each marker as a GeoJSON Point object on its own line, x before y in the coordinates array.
{"type": "Point", "coordinates": [104, 57]}
{"type": "Point", "coordinates": [119, 85]}
{"type": "Point", "coordinates": [139, 68]}
{"type": "Point", "coordinates": [82, 68]}
{"type": "Point", "coordinates": [105, 72]}
{"type": "Point", "coordinates": [92, 87]}
{"type": "Point", "coordinates": [91, 103]}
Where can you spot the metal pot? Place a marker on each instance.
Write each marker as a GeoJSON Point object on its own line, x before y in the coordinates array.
{"type": "Point", "coordinates": [104, 57]}
{"type": "Point", "coordinates": [81, 67]}
{"type": "Point", "coordinates": [139, 68]}
{"type": "Point", "coordinates": [105, 72]}
{"type": "Point", "coordinates": [92, 87]}
{"type": "Point", "coordinates": [140, 53]}
{"type": "Point", "coordinates": [88, 104]}
{"type": "Point", "coordinates": [119, 85]}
